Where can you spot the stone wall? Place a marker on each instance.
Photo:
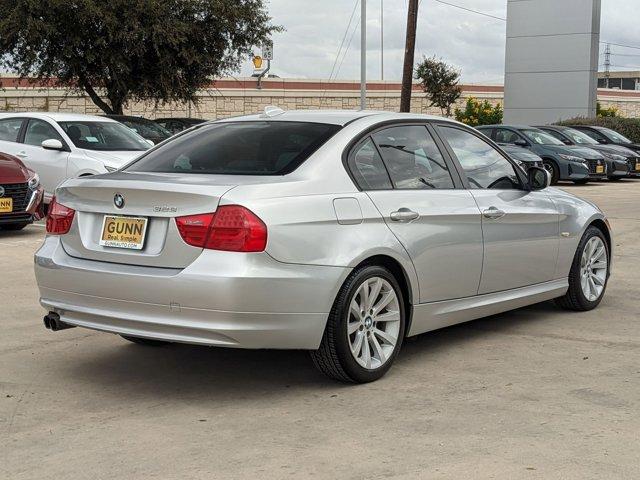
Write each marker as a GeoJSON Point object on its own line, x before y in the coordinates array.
{"type": "Point", "coordinates": [231, 97]}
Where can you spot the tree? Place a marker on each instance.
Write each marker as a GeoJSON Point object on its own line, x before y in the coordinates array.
{"type": "Point", "coordinates": [478, 113]}
{"type": "Point", "coordinates": [164, 50]}
{"type": "Point", "coordinates": [440, 82]}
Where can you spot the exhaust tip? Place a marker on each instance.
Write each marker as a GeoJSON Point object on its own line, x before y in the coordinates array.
{"type": "Point", "coordinates": [52, 322]}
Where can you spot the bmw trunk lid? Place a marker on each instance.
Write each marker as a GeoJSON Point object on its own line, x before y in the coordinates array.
{"type": "Point", "coordinates": [153, 200]}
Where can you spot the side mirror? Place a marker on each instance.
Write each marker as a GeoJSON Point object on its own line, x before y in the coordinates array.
{"type": "Point", "coordinates": [520, 143]}
{"type": "Point", "coordinates": [539, 178]}
{"type": "Point", "coordinates": [602, 140]}
{"type": "Point", "coordinates": [52, 144]}
{"type": "Point", "coordinates": [566, 141]}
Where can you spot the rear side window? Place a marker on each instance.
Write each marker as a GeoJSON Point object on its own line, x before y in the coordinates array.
{"type": "Point", "coordinates": [367, 168]}
{"type": "Point", "coordinates": [238, 148]}
{"type": "Point", "coordinates": [10, 128]}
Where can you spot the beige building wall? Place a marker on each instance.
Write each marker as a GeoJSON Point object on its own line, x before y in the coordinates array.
{"type": "Point", "coordinates": [239, 97]}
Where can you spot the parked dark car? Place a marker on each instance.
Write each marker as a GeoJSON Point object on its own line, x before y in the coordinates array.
{"type": "Point", "coordinates": [606, 136]}
{"type": "Point", "coordinates": [144, 127]}
{"type": "Point", "coordinates": [523, 157]}
{"type": "Point", "coordinates": [177, 125]}
{"type": "Point", "coordinates": [578, 164]}
{"type": "Point", "coordinates": [21, 195]}
{"type": "Point", "coordinates": [620, 160]}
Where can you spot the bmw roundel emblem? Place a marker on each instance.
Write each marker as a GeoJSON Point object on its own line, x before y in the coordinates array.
{"type": "Point", "coordinates": [1, 191]}
{"type": "Point", "coordinates": [118, 200]}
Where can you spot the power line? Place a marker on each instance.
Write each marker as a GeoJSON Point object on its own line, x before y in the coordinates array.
{"type": "Point", "coordinates": [470, 10]}
{"type": "Point", "coordinates": [346, 31]}
{"type": "Point", "coordinates": [618, 44]}
{"type": "Point", "coordinates": [346, 50]}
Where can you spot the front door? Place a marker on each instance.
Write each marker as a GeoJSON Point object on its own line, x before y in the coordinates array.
{"type": "Point", "coordinates": [51, 165]}
{"type": "Point", "coordinates": [520, 227]}
{"type": "Point", "coordinates": [438, 224]}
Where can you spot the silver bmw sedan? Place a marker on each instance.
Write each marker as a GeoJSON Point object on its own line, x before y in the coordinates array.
{"type": "Point", "coordinates": [338, 232]}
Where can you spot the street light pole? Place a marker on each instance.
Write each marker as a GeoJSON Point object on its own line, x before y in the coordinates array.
{"type": "Point", "coordinates": [363, 54]}
{"type": "Point", "coordinates": [382, 40]}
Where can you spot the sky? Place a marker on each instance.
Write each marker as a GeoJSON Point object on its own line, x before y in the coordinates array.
{"type": "Point", "coordinates": [472, 42]}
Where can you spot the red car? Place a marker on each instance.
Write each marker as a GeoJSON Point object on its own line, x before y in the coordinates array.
{"type": "Point", "coordinates": [21, 194]}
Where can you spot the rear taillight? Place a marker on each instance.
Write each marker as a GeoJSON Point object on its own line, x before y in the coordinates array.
{"type": "Point", "coordinates": [59, 218]}
{"type": "Point", "coordinates": [232, 228]}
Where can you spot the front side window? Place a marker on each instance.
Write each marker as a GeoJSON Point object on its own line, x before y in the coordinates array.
{"type": "Point", "coordinates": [412, 158]}
{"type": "Point", "coordinates": [105, 136]}
{"type": "Point", "coordinates": [367, 168]}
{"type": "Point", "coordinates": [506, 136]}
{"type": "Point", "coordinates": [579, 138]}
{"type": "Point", "coordinates": [38, 131]}
{"type": "Point", "coordinates": [10, 128]}
{"type": "Point", "coordinates": [483, 165]}
{"type": "Point", "coordinates": [539, 137]}
{"type": "Point", "coordinates": [238, 148]}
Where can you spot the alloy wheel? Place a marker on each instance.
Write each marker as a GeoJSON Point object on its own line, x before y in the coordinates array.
{"type": "Point", "coordinates": [373, 325]}
{"type": "Point", "coordinates": [593, 268]}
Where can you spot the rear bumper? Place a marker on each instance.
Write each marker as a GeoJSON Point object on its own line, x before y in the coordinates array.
{"type": "Point", "coordinates": [222, 298]}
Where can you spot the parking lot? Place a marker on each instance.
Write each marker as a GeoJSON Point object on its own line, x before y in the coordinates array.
{"type": "Point", "coordinates": [535, 393]}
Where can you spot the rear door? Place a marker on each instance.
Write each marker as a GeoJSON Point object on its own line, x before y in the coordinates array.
{"type": "Point", "coordinates": [10, 129]}
{"type": "Point", "coordinates": [51, 165]}
{"type": "Point", "coordinates": [520, 227]}
{"type": "Point", "coordinates": [418, 193]}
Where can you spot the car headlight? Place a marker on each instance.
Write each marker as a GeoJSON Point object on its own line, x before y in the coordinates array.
{"type": "Point", "coordinates": [34, 181]}
{"type": "Point", "coordinates": [110, 169]}
{"type": "Point", "coordinates": [572, 158]}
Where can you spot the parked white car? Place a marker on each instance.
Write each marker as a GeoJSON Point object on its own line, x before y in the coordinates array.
{"type": "Point", "coordinates": [58, 146]}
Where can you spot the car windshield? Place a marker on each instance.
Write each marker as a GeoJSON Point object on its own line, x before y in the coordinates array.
{"type": "Point", "coordinates": [615, 136]}
{"type": "Point", "coordinates": [146, 129]}
{"type": "Point", "coordinates": [107, 136]}
{"type": "Point", "coordinates": [238, 148]}
{"type": "Point", "coordinates": [540, 138]}
{"type": "Point", "coordinates": [578, 137]}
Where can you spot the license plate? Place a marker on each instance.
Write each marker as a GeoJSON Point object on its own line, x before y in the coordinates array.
{"type": "Point", "coordinates": [6, 205]}
{"type": "Point", "coordinates": [599, 168]}
{"type": "Point", "coordinates": [123, 232]}
{"type": "Point", "coordinates": [637, 166]}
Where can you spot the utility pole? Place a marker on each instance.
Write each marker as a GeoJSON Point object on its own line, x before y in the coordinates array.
{"type": "Point", "coordinates": [363, 54]}
{"type": "Point", "coordinates": [607, 64]}
{"type": "Point", "coordinates": [382, 40]}
{"type": "Point", "coordinates": [409, 52]}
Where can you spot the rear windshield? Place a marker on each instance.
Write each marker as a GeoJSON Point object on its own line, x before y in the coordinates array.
{"type": "Point", "coordinates": [238, 148]}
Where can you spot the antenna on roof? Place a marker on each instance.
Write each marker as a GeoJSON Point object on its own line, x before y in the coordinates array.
{"type": "Point", "coordinates": [272, 111]}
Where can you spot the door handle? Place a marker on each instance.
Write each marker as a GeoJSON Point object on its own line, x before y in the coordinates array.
{"type": "Point", "coordinates": [403, 215]}
{"type": "Point", "coordinates": [22, 154]}
{"type": "Point", "coordinates": [493, 213]}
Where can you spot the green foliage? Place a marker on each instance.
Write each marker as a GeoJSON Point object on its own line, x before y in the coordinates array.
{"type": "Point", "coordinates": [163, 50]}
{"type": "Point", "coordinates": [606, 112]}
{"type": "Point", "coordinates": [629, 127]}
{"type": "Point", "coordinates": [478, 113]}
{"type": "Point", "coordinates": [440, 82]}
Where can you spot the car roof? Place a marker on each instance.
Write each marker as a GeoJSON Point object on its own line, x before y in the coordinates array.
{"type": "Point", "coordinates": [335, 117]}
{"type": "Point", "coordinates": [57, 116]}
{"type": "Point", "coordinates": [515, 127]}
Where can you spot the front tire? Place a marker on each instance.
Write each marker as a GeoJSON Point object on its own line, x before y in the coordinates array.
{"type": "Point", "coordinates": [365, 328]}
{"type": "Point", "coordinates": [589, 273]}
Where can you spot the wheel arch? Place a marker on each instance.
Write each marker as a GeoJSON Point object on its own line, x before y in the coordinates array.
{"type": "Point", "coordinates": [601, 225]}
{"type": "Point", "coordinates": [402, 278]}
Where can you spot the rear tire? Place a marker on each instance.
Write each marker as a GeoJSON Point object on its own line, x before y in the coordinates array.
{"type": "Point", "coordinates": [14, 227]}
{"type": "Point", "coordinates": [552, 168]}
{"type": "Point", "coordinates": [145, 341]}
{"type": "Point", "coordinates": [365, 327]}
{"type": "Point", "coordinates": [576, 298]}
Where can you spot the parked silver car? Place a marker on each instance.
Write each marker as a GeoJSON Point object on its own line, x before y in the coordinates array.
{"type": "Point", "coordinates": [340, 232]}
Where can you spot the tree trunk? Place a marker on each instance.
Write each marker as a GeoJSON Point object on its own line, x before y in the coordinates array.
{"type": "Point", "coordinates": [409, 52]}
{"type": "Point", "coordinates": [95, 98]}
